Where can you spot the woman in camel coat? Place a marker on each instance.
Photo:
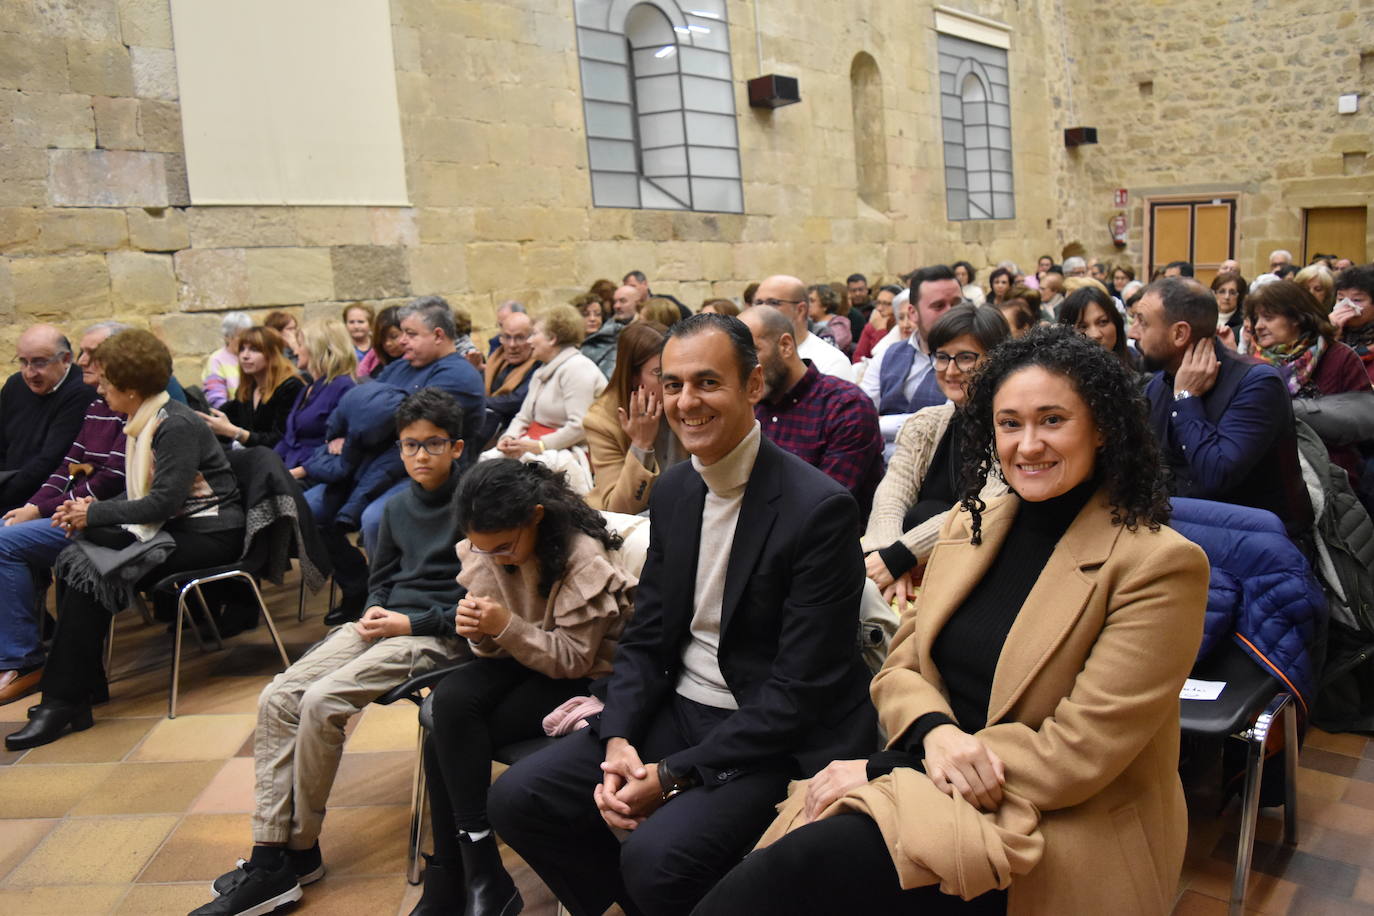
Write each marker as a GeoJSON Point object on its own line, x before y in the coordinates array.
{"type": "Point", "coordinates": [1032, 695]}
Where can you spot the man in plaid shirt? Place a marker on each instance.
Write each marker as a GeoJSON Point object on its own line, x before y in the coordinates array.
{"type": "Point", "coordinates": [825, 421]}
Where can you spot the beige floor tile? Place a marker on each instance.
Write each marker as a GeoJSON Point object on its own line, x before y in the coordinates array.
{"type": "Point", "coordinates": [148, 788]}
{"type": "Point", "coordinates": [47, 791]}
{"type": "Point", "coordinates": [230, 791]}
{"type": "Point", "coordinates": [194, 738]}
{"type": "Point", "coordinates": [18, 838]}
{"type": "Point", "coordinates": [94, 850]}
{"type": "Point", "coordinates": [1349, 744]}
{"type": "Point", "coordinates": [203, 847]}
{"type": "Point", "coordinates": [222, 696]}
{"type": "Point", "coordinates": [340, 896]}
{"type": "Point", "coordinates": [164, 899]}
{"type": "Point", "coordinates": [61, 901]}
{"type": "Point", "coordinates": [366, 841]}
{"type": "Point", "coordinates": [107, 741]}
{"type": "Point", "coordinates": [385, 728]}
{"type": "Point", "coordinates": [381, 778]}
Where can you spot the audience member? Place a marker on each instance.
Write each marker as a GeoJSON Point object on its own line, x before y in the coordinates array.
{"type": "Point", "coordinates": [180, 511]}
{"type": "Point", "coordinates": [1293, 335]}
{"type": "Point", "coordinates": [1178, 269]}
{"type": "Point", "coordinates": [1000, 282]}
{"type": "Point", "coordinates": [738, 672]}
{"type": "Point", "coordinates": [858, 304]}
{"type": "Point", "coordinates": [1279, 259]}
{"type": "Point", "coordinates": [1229, 266]}
{"type": "Point", "coordinates": [880, 322]}
{"type": "Point", "coordinates": [720, 307]}
{"type": "Point", "coordinates": [1043, 265]}
{"type": "Point", "coordinates": [358, 318]}
{"type": "Point", "coordinates": [822, 310]}
{"type": "Point", "coordinates": [1097, 270]}
{"type": "Point", "coordinates": [589, 307]}
{"type": "Point", "coordinates": [904, 380]}
{"type": "Point", "coordinates": [1018, 312]}
{"type": "Point", "coordinates": [285, 324]}
{"type": "Point", "coordinates": [1092, 313]}
{"type": "Point", "coordinates": [903, 323]}
{"type": "Point", "coordinates": [825, 421]}
{"type": "Point", "coordinates": [267, 391]}
{"type": "Point", "coordinates": [94, 467]}
{"type": "Point", "coordinates": [408, 629]}
{"type": "Point", "coordinates": [1033, 697]}
{"type": "Point", "coordinates": [966, 275]}
{"type": "Point", "coordinates": [1230, 290]}
{"type": "Point", "coordinates": [1353, 315]}
{"type": "Point", "coordinates": [748, 297]}
{"type": "Point", "coordinates": [599, 346]}
{"type": "Point", "coordinates": [788, 295]}
{"type": "Point", "coordinates": [640, 282]}
{"type": "Point", "coordinates": [922, 481]}
{"type": "Point", "coordinates": [509, 368]}
{"type": "Point", "coordinates": [1286, 271]}
{"type": "Point", "coordinates": [548, 426]}
{"type": "Point", "coordinates": [1017, 277]}
{"type": "Point", "coordinates": [1341, 264]}
{"type": "Point", "coordinates": [462, 339]}
{"type": "Point", "coordinates": [1317, 280]}
{"type": "Point", "coordinates": [221, 380]}
{"type": "Point", "coordinates": [1224, 425]}
{"type": "Point", "coordinates": [629, 440]}
{"type": "Point", "coordinates": [661, 311]}
{"type": "Point", "coordinates": [502, 310]}
{"type": "Point", "coordinates": [1075, 267]}
{"type": "Point", "coordinates": [545, 605]}
{"type": "Point", "coordinates": [1051, 295]}
{"type": "Point", "coordinates": [329, 353]}
{"type": "Point", "coordinates": [604, 290]}
{"type": "Point", "coordinates": [388, 343]}
{"type": "Point", "coordinates": [1121, 276]}
{"type": "Point", "coordinates": [42, 407]}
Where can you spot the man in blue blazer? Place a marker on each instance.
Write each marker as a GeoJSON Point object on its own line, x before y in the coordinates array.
{"type": "Point", "coordinates": [739, 672]}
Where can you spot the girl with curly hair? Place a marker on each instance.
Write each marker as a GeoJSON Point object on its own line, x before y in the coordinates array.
{"type": "Point", "coordinates": [544, 608]}
{"type": "Point", "coordinates": [1032, 698]}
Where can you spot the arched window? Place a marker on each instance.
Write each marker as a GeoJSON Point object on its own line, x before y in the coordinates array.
{"type": "Point", "coordinates": [976, 114]}
{"type": "Point", "coordinates": [659, 102]}
{"type": "Point", "coordinates": [870, 132]}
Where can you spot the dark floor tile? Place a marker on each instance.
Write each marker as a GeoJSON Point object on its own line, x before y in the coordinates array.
{"type": "Point", "coordinates": [1329, 762]}
{"type": "Point", "coordinates": [1333, 878]}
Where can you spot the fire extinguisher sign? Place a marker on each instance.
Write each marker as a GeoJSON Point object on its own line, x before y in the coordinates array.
{"type": "Point", "coordinates": [1119, 197]}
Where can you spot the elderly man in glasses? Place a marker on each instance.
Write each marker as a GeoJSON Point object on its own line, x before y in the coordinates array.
{"type": "Point", "coordinates": [508, 371]}
{"type": "Point", "coordinates": [41, 408]}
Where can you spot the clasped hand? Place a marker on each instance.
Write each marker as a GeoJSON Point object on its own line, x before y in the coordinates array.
{"type": "Point", "coordinates": [959, 762]}
{"type": "Point", "coordinates": [629, 790]}
{"type": "Point", "coordinates": [71, 515]}
{"type": "Point", "coordinates": [513, 447]}
{"type": "Point", "coordinates": [478, 617]}
{"type": "Point", "coordinates": [377, 622]}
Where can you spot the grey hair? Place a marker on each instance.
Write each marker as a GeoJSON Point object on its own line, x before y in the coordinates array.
{"type": "Point", "coordinates": [111, 327]}
{"type": "Point", "coordinates": [511, 305]}
{"type": "Point", "coordinates": [434, 311]}
{"type": "Point", "coordinates": [1074, 263]}
{"type": "Point", "coordinates": [1011, 266]}
{"type": "Point", "coordinates": [234, 322]}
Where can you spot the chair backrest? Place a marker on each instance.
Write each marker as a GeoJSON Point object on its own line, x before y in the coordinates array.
{"type": "Point", "coordinates": [634, 531]}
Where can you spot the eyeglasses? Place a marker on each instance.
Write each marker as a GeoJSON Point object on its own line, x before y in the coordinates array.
{"type": "Point", "coordinates": [965, 360]}
{"type": "Point", "coordinates": [505, 550]}
{"type": "Point", "coordinates": [514, 338]}
{"type": "Point", "coordinates": [436, 446]}
{"type": "Point", "coordinates": [1227, 292]}
{"type": "Point", "coordinates": [777, 302]}
{"type": "Point", "coordinates": [38, 364]}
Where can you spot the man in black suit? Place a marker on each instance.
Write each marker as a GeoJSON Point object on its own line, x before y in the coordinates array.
{"type": "Point", "coordinates": [739, 672]}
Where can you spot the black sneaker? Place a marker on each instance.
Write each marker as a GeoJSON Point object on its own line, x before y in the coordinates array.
{"type": "Point", "coordinates": [307, 863]}
{"type": "Point", "coordinates": [259, 891]}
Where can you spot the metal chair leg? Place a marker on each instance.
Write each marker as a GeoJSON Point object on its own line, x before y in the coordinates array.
{"type": "Point", "coordinates": [144, 611]}
{"type": "Point", "coordinates": [1255, 738]}
{"type": "Point", "coordinates": [176, 655]}
{"type": "Point", "coordinates": [271, 624]}
{"type": "Point", "coordinates": [1290, 775]}
{"type": "Point", "coordinates": [417, 812]}
{"type": "Point", "coordinates": [209, 618]}
{"type": "Point", "coordinates": [109, 647]}
{"type": "Point", "coordinates": [300, 608]}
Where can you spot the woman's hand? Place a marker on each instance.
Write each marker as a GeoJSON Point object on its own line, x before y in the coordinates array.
{"type": "Point", "coordinates": [25, 513]}
{"type": "Point", "coordinates": [298, 472]}
{"type": "Point", "coordinates": [959, 762]}
{"type": "Point", "coordinates": [219, 424]}
{"type": "Point", "coordinates": [512, 447]}
{"type": "Point", "coordinates": [377, 622]}
{"type": "Point", "coordinates": [478, 617]}
{"type": "Point", "coordinates": [837, 779]}
{"type": "Point", "coordinates": [642, 422]}
{"type": "Point", "coordinates": [71, 515]}
{"type": "Point", "coordinates": [1343, 312]}
{"type": "Point", "coordinates": [877, 570]}
{"type": "Point", "coordinates": [1227, 336]}
{"type": "Point", "coordinates": [335, 446]}
{"type": "Point", "coordinates": [901, 592]}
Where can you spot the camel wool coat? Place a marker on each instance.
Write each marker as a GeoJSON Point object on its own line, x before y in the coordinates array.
{"type": "Point", "coordinates": [1083, 712]}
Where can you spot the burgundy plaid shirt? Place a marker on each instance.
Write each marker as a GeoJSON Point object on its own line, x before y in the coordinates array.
{"type": "Point", "coordinates": [832, 425]}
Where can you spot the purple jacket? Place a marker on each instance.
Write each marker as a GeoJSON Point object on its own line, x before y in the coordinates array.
{"type": "Point", "coordinates": [99, 443]}
{"type": "Point", "coordinates": [306, 423]}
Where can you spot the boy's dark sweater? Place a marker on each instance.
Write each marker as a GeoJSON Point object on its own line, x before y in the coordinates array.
{"type": "Point", "coordinates": [416, 568]}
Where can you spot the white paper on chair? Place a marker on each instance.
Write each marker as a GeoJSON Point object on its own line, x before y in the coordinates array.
{"type": "Point", "coordinates": [1193, 689]}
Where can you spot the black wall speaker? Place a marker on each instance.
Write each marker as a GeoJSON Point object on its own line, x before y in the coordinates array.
{"type": "Point", "coordinates": [1079, 136]}
{"type": "Point", "coordinates": [773, 91]}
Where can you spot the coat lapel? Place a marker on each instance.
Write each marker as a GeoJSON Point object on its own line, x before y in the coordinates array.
{"type": "Point", "coordinates": [1054, 604]}
{"type": "Point", "coordinates": [756, 517]}
{"type": "Point", "coordinates": [681, 567]}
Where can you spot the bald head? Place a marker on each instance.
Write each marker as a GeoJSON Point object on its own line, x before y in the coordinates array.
{"type": "Point", "coordinates": [44, 357]}
{"type": "Point", "coordinates": [789, 294]}
{"type": "Point", "coordinates": [625, 303]}
{"type": "Point", "coordinates": [766, 324]}
{"type": "Point", "coordinates": [776, 344]}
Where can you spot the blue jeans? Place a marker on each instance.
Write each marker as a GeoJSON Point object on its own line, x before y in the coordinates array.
{"type": "Point", "coordinates": [341, 550]}
{"type": "Point", "coordinates": [36, 543]}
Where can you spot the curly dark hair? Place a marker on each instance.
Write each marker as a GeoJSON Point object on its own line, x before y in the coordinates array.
{"type": "Point", "coordinates": [1128, 463]}
{"type": "Point", "coordinates": [134, 360]}
{"type": "Point", "coordinates": [502, 493]}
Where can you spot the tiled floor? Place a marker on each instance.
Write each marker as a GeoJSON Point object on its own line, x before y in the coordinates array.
{"type": "Point", "coordinates": [138, 814]}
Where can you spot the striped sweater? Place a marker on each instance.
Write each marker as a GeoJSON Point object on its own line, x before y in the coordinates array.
{"type": "Point", "coordinates": [99, 444]}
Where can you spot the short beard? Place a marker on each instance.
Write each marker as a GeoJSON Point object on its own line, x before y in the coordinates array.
{"type": "Point", "coordinates": [1151, 363]}
{"type": "Point", "coordinates": [774, 377]}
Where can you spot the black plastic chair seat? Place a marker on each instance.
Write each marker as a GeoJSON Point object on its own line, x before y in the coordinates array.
{"type": "Point", "coordinates": [1249, 688]}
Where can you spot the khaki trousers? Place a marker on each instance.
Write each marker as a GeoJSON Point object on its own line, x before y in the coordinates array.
{"type": "Point", "coordinates": [301, 718]}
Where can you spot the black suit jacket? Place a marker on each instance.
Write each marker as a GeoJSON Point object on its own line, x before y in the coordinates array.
{"type": "Point", "coordinates": [788, 646]}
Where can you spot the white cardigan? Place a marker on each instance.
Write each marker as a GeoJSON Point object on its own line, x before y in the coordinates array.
{"type": "Point", "coordinates": [560, 392]}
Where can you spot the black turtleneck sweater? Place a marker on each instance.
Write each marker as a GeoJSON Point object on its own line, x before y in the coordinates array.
{"type": "Point", "coordinates": [970, 644]}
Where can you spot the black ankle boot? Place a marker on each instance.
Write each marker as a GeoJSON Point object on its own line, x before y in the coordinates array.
{"type": "Point", "coordinates": [349, 609]}
{"type": "Point", "coordinates": [490, 891]}
{"type": "Point", "coordinates": [49, 721]}
{"type": "Point", "coordinates": [443, 894]}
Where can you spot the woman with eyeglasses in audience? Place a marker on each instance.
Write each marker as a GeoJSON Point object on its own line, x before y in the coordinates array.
{"type": "Point", "coordinates": [1031, 698]}
{"type": "Point", "coordinates": [922, 479]}
{"type": "Point", "coordinates": [1121, 277]}
{"type": "Point", "coordinates": [267, 391]}
{"type": "Point", "coordinates": [1230, 290]}
{"type": "Point", "coordinates": [544, 607]}
{"type": "Point", "coordinates": [1092, 313]}
{"type": "Point", "coordinates": [328, 353]}
{"type": "Point", "coordinates": [629, 439]}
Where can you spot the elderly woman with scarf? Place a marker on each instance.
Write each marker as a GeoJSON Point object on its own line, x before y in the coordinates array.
{"type": "Point", "coordinates": [180, 510]}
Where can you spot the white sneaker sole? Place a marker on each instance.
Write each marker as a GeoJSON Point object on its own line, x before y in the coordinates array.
{"type": "Point", "coordinates": [267, 906]}
{"type": "Point", "coordinates": [303, 880]}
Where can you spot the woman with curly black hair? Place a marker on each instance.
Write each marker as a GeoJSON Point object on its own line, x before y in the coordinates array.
{"type": "Point", "coordinates": [1032, 699]}
{"type": "Point", "coordinates": [544, 608]}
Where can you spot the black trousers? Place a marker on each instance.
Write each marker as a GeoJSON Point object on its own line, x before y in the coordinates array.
{"type": "Point", "coordinates": [350, 566]}
{"type": "Point", "coordinates": [837, 865]}
{"type": "Point", "coordinates": [543, 808]}
{"type": "Point", "coordinates": [484, 705]}
{"type": "Point", "coordinates": [75, 671]}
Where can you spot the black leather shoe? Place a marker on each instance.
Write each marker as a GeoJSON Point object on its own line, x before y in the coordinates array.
{"type": "Point", "coordinates": [49, 721]}
{"type": "Point", "coordinates": [490, 890]}
{"type": "Point", "coordinates": [443, 894]}
{"type": "Point", "coordinates": [349, 609]}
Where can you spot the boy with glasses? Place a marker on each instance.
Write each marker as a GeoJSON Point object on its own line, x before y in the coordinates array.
{"type": "Point", "coordinates": [407, 629]}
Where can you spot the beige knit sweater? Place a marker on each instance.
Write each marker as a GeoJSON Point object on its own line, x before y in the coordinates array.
{"type": "Point", "coordinates": [901, 485]}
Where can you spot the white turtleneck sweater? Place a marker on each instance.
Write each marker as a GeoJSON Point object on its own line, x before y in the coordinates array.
{"type": "Point", "coordinates": [726, 480]}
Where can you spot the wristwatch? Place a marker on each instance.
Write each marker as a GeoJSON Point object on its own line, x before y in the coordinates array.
{"type": "Point", "coordinates": [671, 784]}
{"type": "Point", "coordinates": [1183, 395]}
